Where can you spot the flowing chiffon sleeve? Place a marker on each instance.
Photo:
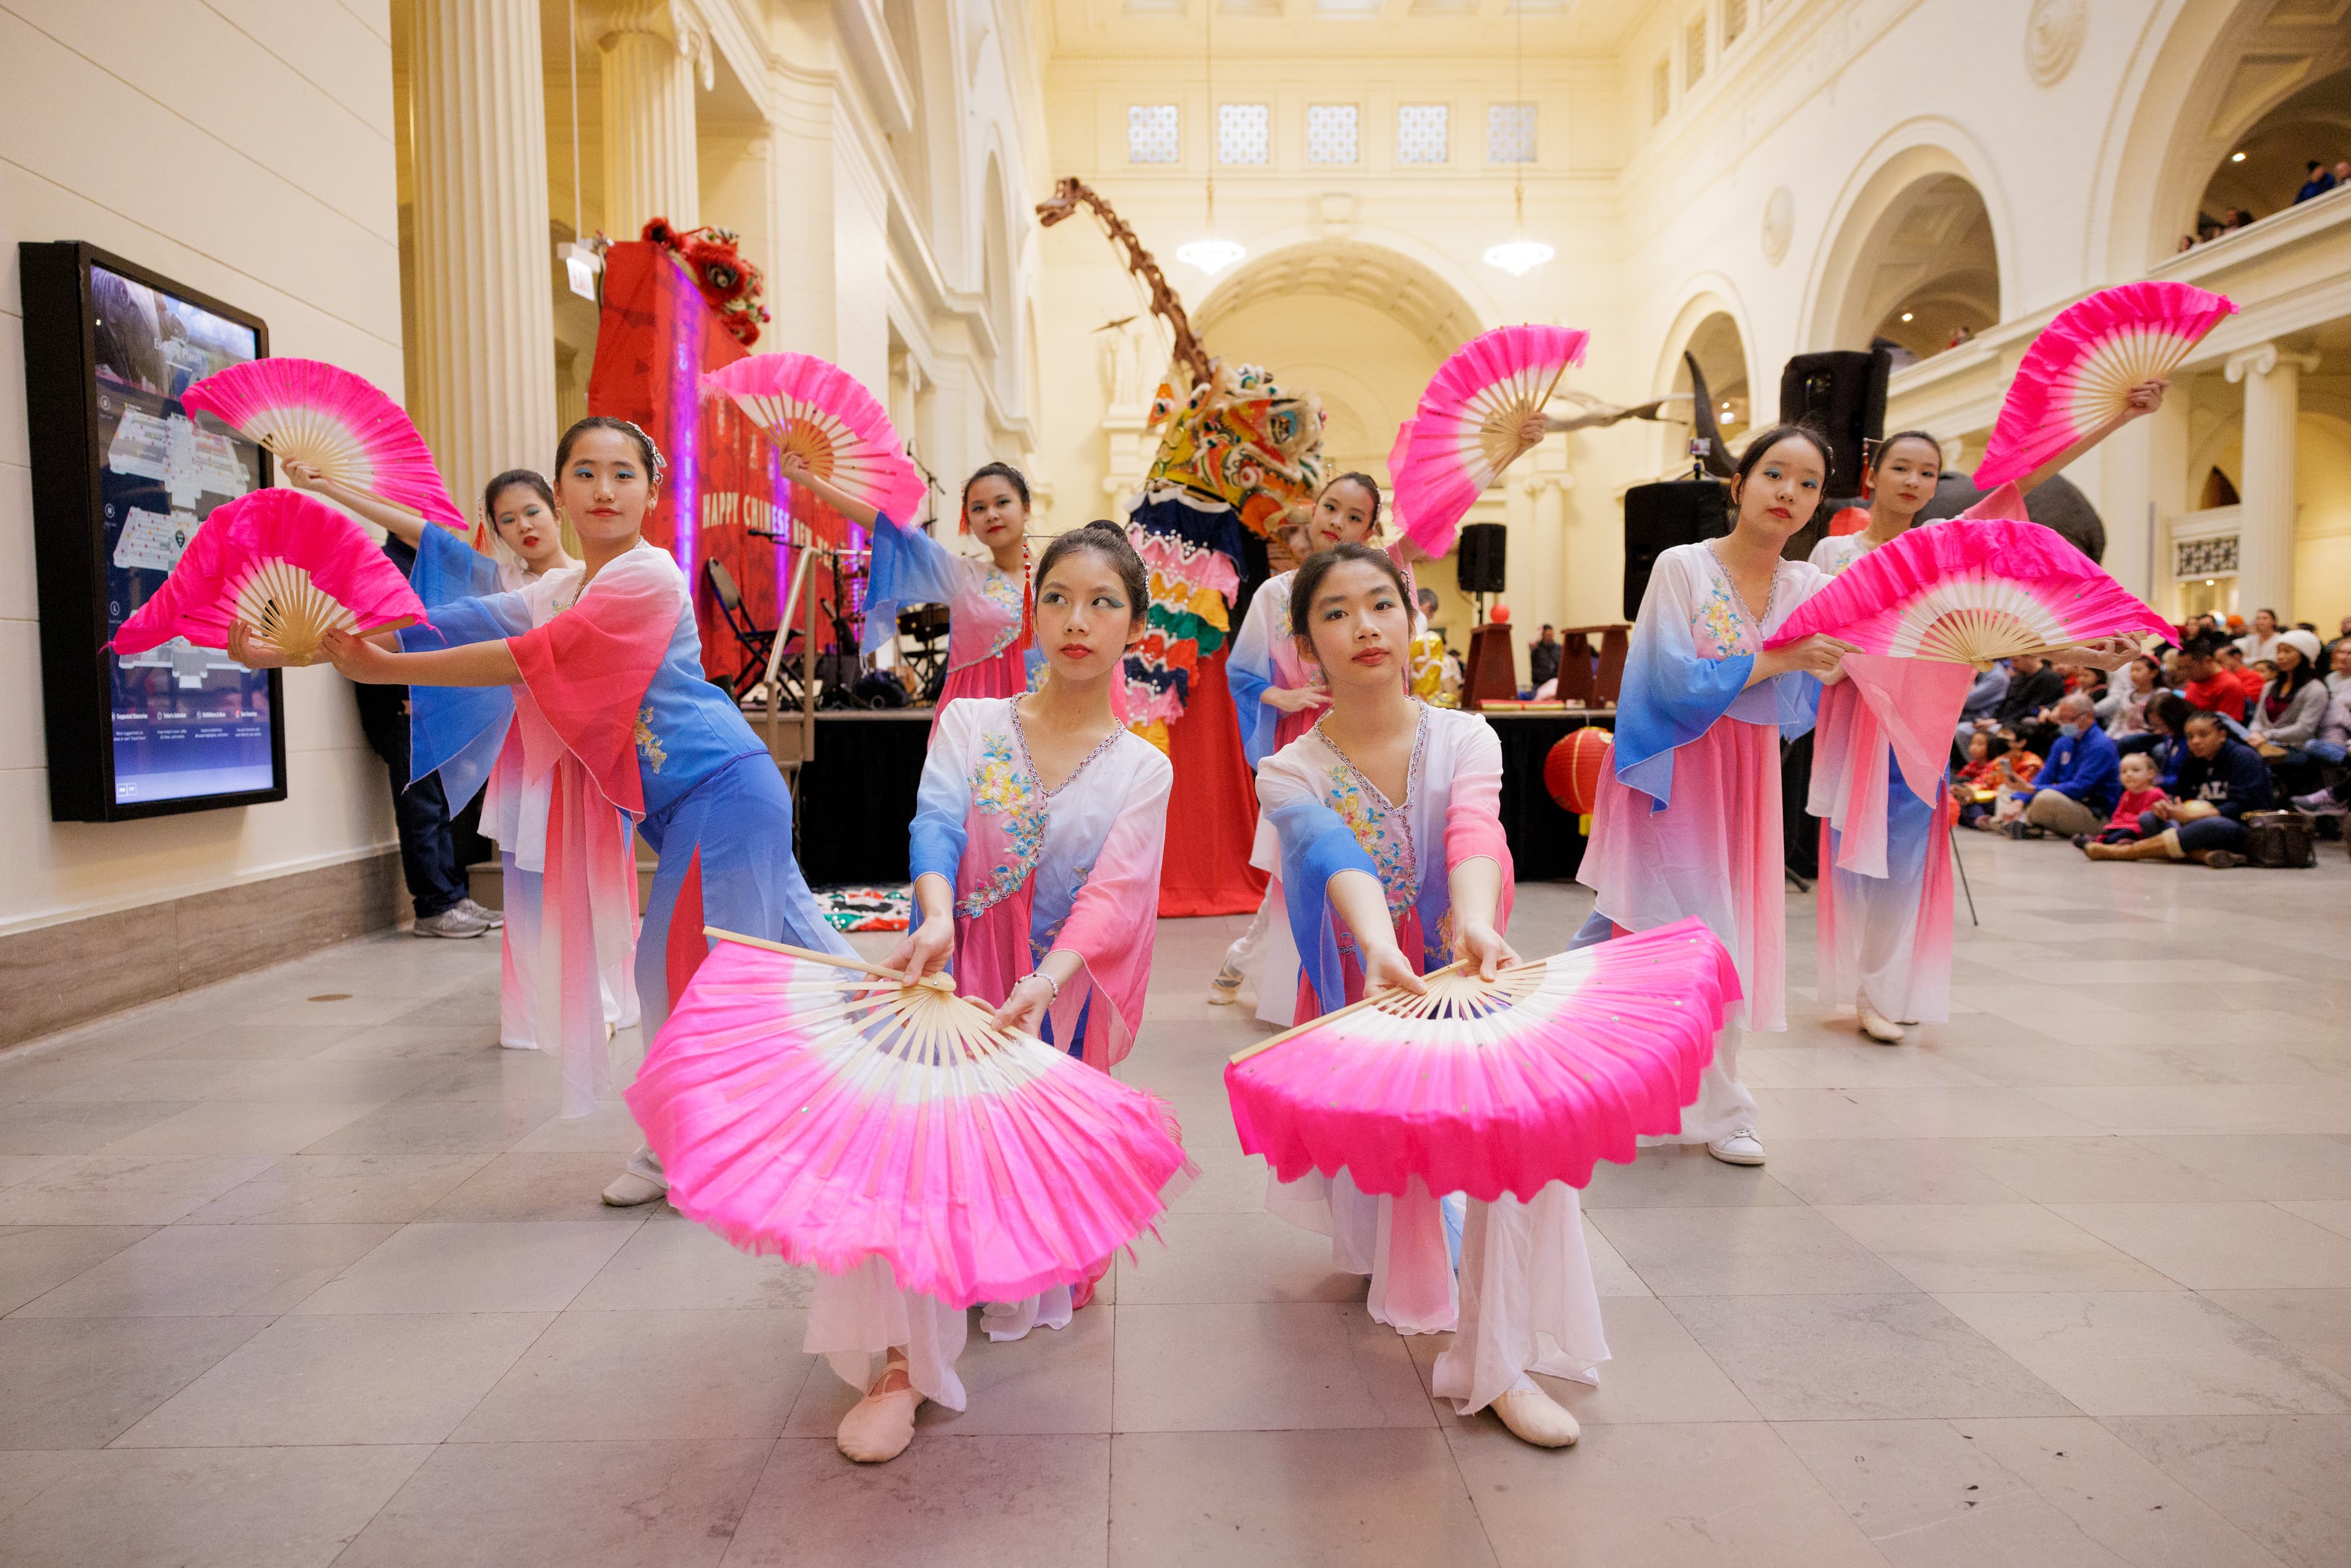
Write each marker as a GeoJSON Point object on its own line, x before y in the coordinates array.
{"type": "Point", "coordinates": [457, 731]}
{"type": "Point", "coordinates": [587, 670]}
{"type": "Point", "coordinates": [909, 568]}
{"type": "Point", "coordinates": [1473, 814]}
{"type": "Point", "coordinates": [943, 802]}
{"type": "Point", "coordinates": [1671, 694]}
{"type": "Point", "coordinates": [1314, 844]}
{"type": "Point", "coordinates": [1114, 916]}
{"type": "Point", "coordinates": [448, 569]}
{"type": "Point", "coordinates": [1250, 673]}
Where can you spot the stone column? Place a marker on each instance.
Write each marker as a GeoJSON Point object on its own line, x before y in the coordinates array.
{"type": "Point", "coordinates": [484, 262]}
{"type": "Point", "coordinates": [1550, 579]}
{"type": "Point", "coordinates": [2272, 378]}
{"type": "Point", "coordinates": [652, 51]}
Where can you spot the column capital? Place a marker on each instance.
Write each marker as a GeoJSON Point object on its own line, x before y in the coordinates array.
{"type": "Point", "coordinates": [673, 22]}
{"type": "Point", "coordinates": [2262, 358]}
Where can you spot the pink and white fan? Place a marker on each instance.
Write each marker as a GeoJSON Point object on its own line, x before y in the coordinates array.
{"type": "Point", "coordinates": [1467, 428]}
{"type": "Point", "coordinates": [2079, 372]}
{"type": "Point", "coordinates": [815, 1107]}
{"type": "Point", "coordinates": [307, 411]}
{"type": "Point", "coordinates": [1493, 1086]}
{"type": "Point", "coordinates": [817, 411]}
{"type": "Point", "coordinates": [287, 565]}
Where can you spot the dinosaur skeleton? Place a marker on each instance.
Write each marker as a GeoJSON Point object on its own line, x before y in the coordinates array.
{"type": "Point", "coordinates": [1067, 198]}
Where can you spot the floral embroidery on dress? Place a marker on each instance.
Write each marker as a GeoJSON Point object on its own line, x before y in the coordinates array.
{"type": "Point", "coordinates": [1723, 628]}
{"type": "Point", "coordinates": [1381, 828]}
{"type": "Point", "coordinates": [1002, 786]}
{"type": "Point", "coordinates": [649, 745]}
{"type": "Point", "coordinates": [1001, 590]}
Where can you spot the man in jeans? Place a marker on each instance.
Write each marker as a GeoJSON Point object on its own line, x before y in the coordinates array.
{"type": "Point", "coordinates": [2083, 779]}
{"type": "Point", "coordinates": [428, 843]}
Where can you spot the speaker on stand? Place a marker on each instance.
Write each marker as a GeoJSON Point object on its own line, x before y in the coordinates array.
{"type": "Point", "coordinates": [1483, 567]}
{"type": "Point", "coordinates": [1844, 394]}
{"type": "Point", "coordinates": [1659, 517]}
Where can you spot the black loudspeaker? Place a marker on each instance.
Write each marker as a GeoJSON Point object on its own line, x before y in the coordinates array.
{"type": "Point", "coordinates": [1485, 549]}
{"type": "Point", "coordinates": [1845, 394]}
{"type": "Point", "coordinates": [1659, 517]}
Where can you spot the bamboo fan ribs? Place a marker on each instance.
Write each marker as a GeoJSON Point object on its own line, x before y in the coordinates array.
{"type": "Point", "coordinates": [2079, 372]}
{"type": "Point", "coordinates": [1971, 590]}
{"type": "Point", "coordinates": [818, 411]}
{"type": "Point", "coordinates": [1467, 428]}
{"type": "Point", "coordinates": [1495, 1086]}
{"type": "Point", "coordinates": [287, 565]}
{"type": "Point", "coordinates": [815, 1107]}
{"type": "Point", "coordinates": [310, 412]}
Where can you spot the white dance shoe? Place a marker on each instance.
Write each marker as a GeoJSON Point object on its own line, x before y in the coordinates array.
{"type": "Point", "coordinates": [879, 1426]}
{"type": "Point", "coordinates": [1879, 1026]}
{"type": "Point", "coordinates": [1738, 1146]}
{"type": "Point", "coordinates": [628, 1190]}
{"type": "Point", "coordinates": [1225, 988]}
{"type": "Point", "coordinates": [1534, 1417]}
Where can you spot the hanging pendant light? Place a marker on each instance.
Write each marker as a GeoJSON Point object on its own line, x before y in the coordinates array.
{"type": "Point", "coordinates": [1210, 253]}
{"type": "Point", "coordinates": [1518, 255]}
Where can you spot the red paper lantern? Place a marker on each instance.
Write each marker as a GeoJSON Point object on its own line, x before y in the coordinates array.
{"type": "Point", "coordinates": [1851, 520]}
{"type": "Point", "coordinates": [1499, 615]}
{"type": "Point", "coordinates": [1572, 770]}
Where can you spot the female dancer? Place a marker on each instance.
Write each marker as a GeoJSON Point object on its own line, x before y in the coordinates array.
{"type": "Point", "coordinates": [1381, 821]}
{"type": "Point", "coordinates": [611, 701]}
{"type": "Point", "coordinates": [1278, 697]}
{"type": "Point", "coordinates": [1883, 913]}
{"type": "Point", "coordinates": [988, 600]}
{"type": "Point", "coordinates": [467, 735]}
{"type": "Point", "coordinates": [1687, 820]}
{"type": "Point", "coordinates": [1036, 856]}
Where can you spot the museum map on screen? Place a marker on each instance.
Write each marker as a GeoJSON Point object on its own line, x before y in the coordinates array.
{"type": "Point", "coordinates": [188, 721]}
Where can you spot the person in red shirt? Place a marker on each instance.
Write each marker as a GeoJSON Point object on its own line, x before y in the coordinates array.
{"type": "Point", "coordinates": [2141, 792]}
{"type": "Point", "coordinates": [2231, 657]}
{"type": "Point", "coordinates": [2208, 686]}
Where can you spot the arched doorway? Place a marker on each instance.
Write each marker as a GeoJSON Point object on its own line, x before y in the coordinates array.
{"type": "Point", "coordinates": [1926, 272]}
{"type": "Point", "coordinates": [2261, 173]}
{"type": "Point", "coordinates": [1714, 341]}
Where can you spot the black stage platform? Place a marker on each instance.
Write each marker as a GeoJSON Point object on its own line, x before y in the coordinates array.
{"type": "Point", "coordinates": [1545, 846]}
{"type": "Point", "coordinates": [857, 796]}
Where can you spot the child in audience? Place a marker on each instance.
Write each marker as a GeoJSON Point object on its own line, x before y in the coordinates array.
{"type": "Point", "coordinates": [1978, 777]}
{"type": "Point", "coordinates": [2012, 773]}
{"type": "Point", "coordinates": [2141, 794]}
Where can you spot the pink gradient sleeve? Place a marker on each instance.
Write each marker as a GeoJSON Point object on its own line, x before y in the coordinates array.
{"type": "Point", "coordinates": [588, 670]}
{"type": "Point", "coordinates": [1473, 812]}
{"type": "Point", "coordinates": [1112, 920]}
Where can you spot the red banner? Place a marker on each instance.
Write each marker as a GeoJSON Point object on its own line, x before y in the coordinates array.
{"type": "Point", "coordinates": [723, 500]}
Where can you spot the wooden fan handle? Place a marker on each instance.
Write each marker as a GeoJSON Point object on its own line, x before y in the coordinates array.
{"type": "Point", "coordinates": [1382, 994]}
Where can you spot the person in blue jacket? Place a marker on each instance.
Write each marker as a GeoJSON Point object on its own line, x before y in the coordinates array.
{"type": "Point", "coordinates": [2078, 787]}
{"type": "Point", "coordinates": [2220, 780]}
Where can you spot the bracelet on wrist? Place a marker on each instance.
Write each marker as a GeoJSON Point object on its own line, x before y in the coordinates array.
{"type": "Point", "coordinates": [1041, 974]}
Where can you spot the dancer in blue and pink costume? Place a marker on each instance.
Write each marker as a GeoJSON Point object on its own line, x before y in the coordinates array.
{"type": "Point", "coordinates": [1688, 822]}
{"type": "Point", "coordinates": [605, 668]}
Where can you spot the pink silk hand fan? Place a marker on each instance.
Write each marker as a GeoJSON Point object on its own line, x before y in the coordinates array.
{"type": "Point", "coordinates": [814, 1107]}
{"type": "Point", "coordinates": [818, 410]}
{"type": "Point", "coordinates": [305, 411]}
{"type": "Point", "coordinates": [1971, 590]}
{"type": "Point", "coordinates": [1493, 1086]}
{"type": "Point", "coordinates": [2079, 372]}
{"type": "Point", "coordinates": [287, 565]}
{"type": "Point", "coordinates": [1465, 430]}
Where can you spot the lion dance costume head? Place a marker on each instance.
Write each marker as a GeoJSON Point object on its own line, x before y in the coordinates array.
{"type": "Point", "coordinates": [1239, 457]}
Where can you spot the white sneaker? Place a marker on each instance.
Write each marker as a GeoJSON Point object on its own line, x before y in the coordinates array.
{"type": "Point", "coordinates": [1534, 1417]}
{"type": "Point", "coordinates": [1739, 1147]}
{"type": "Point", "coordinates": [628, 1190]}
{"type": "Point", "coordinates": [495, 919]}
{"type": "Point", "coordinates": [1877, 1025]}
{"type": "Point", "coordinates": [457, 921]}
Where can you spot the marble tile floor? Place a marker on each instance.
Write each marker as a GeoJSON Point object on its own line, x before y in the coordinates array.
{"type": "Point", "coordinates": [303, 1270]}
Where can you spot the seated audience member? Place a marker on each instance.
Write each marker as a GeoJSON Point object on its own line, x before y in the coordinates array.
{"type": "Point", "coordinates": [2078, 787]}
{"type": "Point", "coordinates": [2231, 658]}
{"type": "Point", "coordinates": [2141, 795]}
{"type": "Point", "coordinates": [2011, 779]}
{"type": "Point", "coordinates": [2262, 641]}
{"type": "Point", "coordinates": [1979, 775]}
{"type": "Point", "coordinates": [2220, 780]}
{"type": "Point", "coordinates": [1983, 697]}
{"type": "Point", "coordinates": [2284, 719]}
{"type": "Point", "coordinates": [2206, 684]}
{"type": "Point", "coordinates": [2123, 710]}
{"type": "Point", "coordinates": [2164, 743]}
{"type": "Point", "coordinates": [2329, 747]}
{"type": "Point", "coordinates": [2032, 685]}
{"type": "Point", "coordinates": [2339, 661]}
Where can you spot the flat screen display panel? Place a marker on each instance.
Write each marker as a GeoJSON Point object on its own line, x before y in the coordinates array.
{"type": "Point", "coordinates": [187, 721]}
